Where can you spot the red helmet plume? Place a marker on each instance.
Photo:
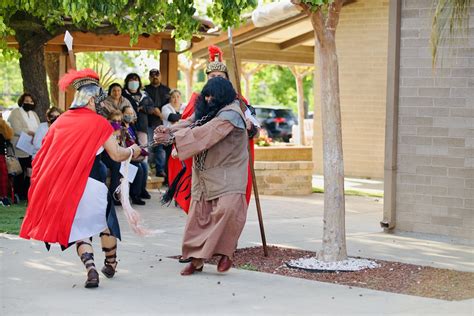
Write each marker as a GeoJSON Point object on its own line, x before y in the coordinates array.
{"type": "Point", "coordinates": [74, 75]}
{"type": "Point", "coordinates": [215, 53]}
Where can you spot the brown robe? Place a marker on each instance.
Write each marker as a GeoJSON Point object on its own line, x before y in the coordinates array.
{"type": "Point", "coordinates": [218, 207]}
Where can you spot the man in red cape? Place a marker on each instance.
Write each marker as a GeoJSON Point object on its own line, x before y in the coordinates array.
{"type": "Point", "coordinates": [68, 201]}
{"type": "Point", "coordinates": [182, 195]}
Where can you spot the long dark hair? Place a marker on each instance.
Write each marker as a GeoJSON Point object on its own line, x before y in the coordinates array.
{"type": "Point", "coordinates": [221, 92]}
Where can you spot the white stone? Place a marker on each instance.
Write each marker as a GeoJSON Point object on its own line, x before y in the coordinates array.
{"type": "Point", "coordinates": [350, 264]}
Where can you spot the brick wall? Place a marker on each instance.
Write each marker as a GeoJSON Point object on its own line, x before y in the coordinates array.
{"type": "Point", "coordinates": [284, 177]}
{"type": "Point", "coordinates": [361, 40]}
{"type": "Point", "coordinates": [435, 182]}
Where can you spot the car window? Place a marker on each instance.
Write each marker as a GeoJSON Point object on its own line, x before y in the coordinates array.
{"type": "Point", "coordinates": [284, 113]}
{"type": "Point", "coordinates": [263, 113]}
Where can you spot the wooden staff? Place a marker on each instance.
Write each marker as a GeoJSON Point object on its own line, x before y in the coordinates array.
{"type": "Point", "coordinates": [243, 107]}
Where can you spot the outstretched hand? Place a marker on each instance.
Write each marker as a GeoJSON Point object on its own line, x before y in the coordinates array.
{"type": "Point", "coordinates": [161, 134]}
{"type": "Point", "coordinates": [136, 150]}
{"type": "Point", "coordinates": [161, 129]}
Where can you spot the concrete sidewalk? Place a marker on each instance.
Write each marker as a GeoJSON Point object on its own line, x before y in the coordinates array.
{"type": "Point", "coordinates": [34, 281]}
{"type": "Point", "coordinates": [370, 186]}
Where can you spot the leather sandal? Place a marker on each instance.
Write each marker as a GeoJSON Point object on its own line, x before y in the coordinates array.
{"type": "Point", "coordinates": [225, 263]}
{"type": "Point", "coordinates": [110, 262]}
{"type": "Point", "coordinates": [92, 275]}
{"type": "Point", "coordinates": [92, 279]}
{"type": "Point", "coordinates": [191, 268]}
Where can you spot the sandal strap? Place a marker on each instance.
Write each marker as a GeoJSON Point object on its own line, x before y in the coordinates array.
{"type": "Point", "coordinates": [89, 265]}
{"type": "Point", "coordinates": [109, 249]}
{"type": "Point", "coordinates": [87, 256]}
{"type": "Point", "coordinates": [114, 256]}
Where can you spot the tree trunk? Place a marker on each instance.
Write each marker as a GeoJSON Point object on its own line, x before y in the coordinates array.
{"type": "Point", "coordinates": [300, 100]}
{"type": "Point", "coordinates": [334, 236]}
{"type": "Point", "coordinates": [33, 70]}
{"type": "Point", "coordinates": [52, 68]}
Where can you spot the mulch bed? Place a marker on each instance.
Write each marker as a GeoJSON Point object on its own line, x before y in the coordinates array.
{"type": "Point", "coordinates": [391, 276]}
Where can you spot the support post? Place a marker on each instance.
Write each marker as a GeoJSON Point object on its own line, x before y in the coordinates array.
{"type": "Point", "coordinates": [391, 122]}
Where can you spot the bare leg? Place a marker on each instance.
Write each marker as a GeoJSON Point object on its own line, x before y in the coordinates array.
{"type": "Point", "coordinates": [109, 246]}
{"type": "Point", "coordinates": [86, 253]}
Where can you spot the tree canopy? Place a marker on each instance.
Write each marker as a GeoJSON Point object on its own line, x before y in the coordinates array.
{"type": "Point", "coordinates": [33, 23]}
{"type": "Point", "coordinates": [121, 16]}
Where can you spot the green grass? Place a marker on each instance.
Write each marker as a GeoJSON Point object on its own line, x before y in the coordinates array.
{"type": "Point", "coordinates": [11, 218]}
{"type": "Point", "coordinates": [352, 192]}
{"type": "Point", "coordinates": [248, 266]}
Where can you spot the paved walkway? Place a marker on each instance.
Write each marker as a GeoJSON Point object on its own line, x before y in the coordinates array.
{"type": "Point", "coordinates": [37, 282]}
{"type": "Point", "coordinates": [372, 186]}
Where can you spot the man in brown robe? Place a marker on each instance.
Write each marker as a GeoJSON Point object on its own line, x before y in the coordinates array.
{"type": "Point", "coordinates": [216, 137]}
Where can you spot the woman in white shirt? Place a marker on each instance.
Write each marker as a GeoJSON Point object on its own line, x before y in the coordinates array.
{"type": "Point", "coordinates": [171, 115]}
{"type": "Point", "coordinates": [170, 111]}
{"type": "Point", "coordinates": [51, 115]}
{"type": "Point", "coordinates": [23, 120]}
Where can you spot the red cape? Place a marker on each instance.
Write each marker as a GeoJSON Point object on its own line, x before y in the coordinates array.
{"type": "Point", "coordinates": [60, 172]}
{"type": "Point", "coordinates": [183, 196]}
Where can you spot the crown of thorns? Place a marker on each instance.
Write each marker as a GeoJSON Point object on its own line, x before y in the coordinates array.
{"type": "Point", "coordinates": [216, 66]}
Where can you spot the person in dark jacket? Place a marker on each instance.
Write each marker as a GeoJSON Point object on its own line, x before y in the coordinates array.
{"type": "Point", "coordinates": [160, 94]}
{"type": "Point", "coordinates": [143, 106]}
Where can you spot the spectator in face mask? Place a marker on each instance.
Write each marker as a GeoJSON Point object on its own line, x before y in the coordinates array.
{"type": "Point", "coordinates": [23, 119]}
{"type": "Point", "coordinates": [142, 105]}
{"type": "Point", "coordinates": [51, 115]}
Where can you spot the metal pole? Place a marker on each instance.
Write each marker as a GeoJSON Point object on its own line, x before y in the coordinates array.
{"type": "Point", "coordinates": [243, 106]}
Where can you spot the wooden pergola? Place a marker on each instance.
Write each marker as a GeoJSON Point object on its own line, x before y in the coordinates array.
{"type": "Point", "coordinates": [289, 42]}
{"type": "Point", "coordinates": [91, 42]}
{"type": "Point", "coordinates": [362, 47]}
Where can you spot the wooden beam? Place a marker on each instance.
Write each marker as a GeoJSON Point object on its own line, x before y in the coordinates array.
{"type": "Point", "coordinates": [267, 47]}
{"type": "Point", "coordinates": [296, 41]}
{"type": "Point", "coordinates": [277, 57]}
{"type": "Point", "coordinates": [169, 69]}
{"type": "Point", "coordinates": [109, 41]}
{"type": "Point", "coordinates": [270, 53]}
{"type": "Point", "coordinates": [244, 34]}
{"type": "Point", "coordinates": [62, 70]}
{"type": "Point", "coordinates": [90, 42]}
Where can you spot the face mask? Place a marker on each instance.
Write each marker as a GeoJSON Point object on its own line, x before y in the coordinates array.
{"type": "Point", "coordinates": [28, 107]}
{"type": "Point", "coordinates": [127, 118]}
{"type": "Point", "coordinates": [115, 125]}
{"type": "Point", "coordinates": [133, 85]}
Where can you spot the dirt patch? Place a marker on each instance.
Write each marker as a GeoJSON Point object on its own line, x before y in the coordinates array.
{"type": "Point", "coordinates": [391, 276]}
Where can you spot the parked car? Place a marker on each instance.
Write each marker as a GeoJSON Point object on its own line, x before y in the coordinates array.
{"type": "Point", "coordinates": [277, 121]}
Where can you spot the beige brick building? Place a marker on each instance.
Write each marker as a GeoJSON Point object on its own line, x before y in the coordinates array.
{"type": "Point", "coordinates": [429, 184]}
{"type": "Point", "coordinates": [361, 40]}
{"type": "Point", "coordinates": [400, 121]}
